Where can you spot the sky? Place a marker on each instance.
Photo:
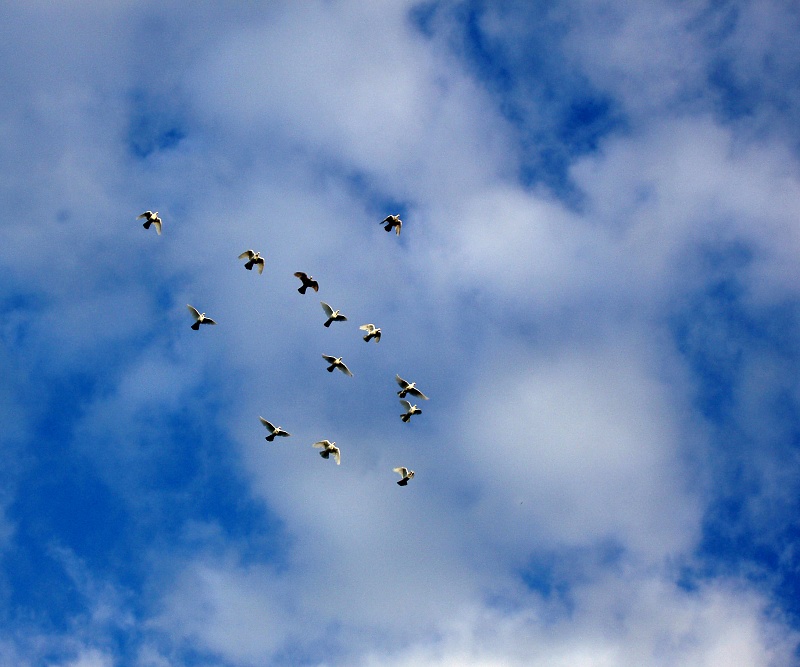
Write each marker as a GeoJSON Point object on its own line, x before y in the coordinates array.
{"type": "Point", "coordinates": [597, 285]}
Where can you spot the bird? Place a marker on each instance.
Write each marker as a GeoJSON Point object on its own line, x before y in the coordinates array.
{"type": "Point", "coordinates": [329, 448]}
{"type": "Point", "coordinates": [151, 219]}
{"type": "Point", "coordinates": [392, 221]}
{"type": "Point", "coordinates": [406, 475]}
{"type": "Point", "coordinates": [333, 315]}
{"type": "Point", "coordinates": [372, 332]}
{"type": "Point", "coordinates": [336, 362]}
{"type": "Point", "coordinates": [273, 430]}
{"type": "Point", "coordinates": [308, 281]}
{"type": "Point", "coordinates": [200, 318]}
{"type": "Point", "coordinates": [408, 388]}
{"type": "Point", "coordinates": [410, 410]}
{"type": "Point", "coordinates": [253, 258]}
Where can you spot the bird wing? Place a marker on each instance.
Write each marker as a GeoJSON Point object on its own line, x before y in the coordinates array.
{"type": "Point", "coordinates": [397, 227]}
{"type": "Point", "coordinates": [247, 253]}
{"type": "Point", "coordinates": [269, 426]}
{"type": "Point", "coordinates": [341, 318]}
{"type": "Point", "coordinates": [329, 359]}
{"type": "Point", "coordinates": [400, 381]}
{"type": "Point", "coordinates": [146, 214]}
{"type": "Point", "coordinates": [406, 405]}
{"type": "Point", "coordinates": [328, 310]}
{"type": "Point", "coordinates": [284, 434]}
{"type": "Point", "coordinates": [337, 455]}
{"type": "Point", "coordinates": [208, 320]}
{"type": "Point", "coordinates": [260, 263]}
{"type": "Point", "coordinates": [193, 311]}
{"type": "Point", "coordinates": [416, 392]}
{"type": "Point", "coordinates": [345, 369]}
{"type": "Point", "coordinates": [403, 471]}
{"type": "Point", "coordinates": [301, 275]}
{"type": "Point", "coordinates": [378, 337]}
{"type": "Point", "coordinates": [315, 285]}
{"type": "Point", "coordinates": [322, 444]}
{"type": "Point", "coordinates": [388, 218]}
{"type": "Point", "coordinates": [157, 223]}
{"type": "Point", "coordinates": [367, 327]}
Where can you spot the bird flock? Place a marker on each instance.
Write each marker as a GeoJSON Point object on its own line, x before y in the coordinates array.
{"type": "Point", "coordinates": [327, 448]}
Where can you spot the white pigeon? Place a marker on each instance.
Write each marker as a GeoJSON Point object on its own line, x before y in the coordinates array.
{"type": "Point", "coordinates": [329, 448]}
{"type": "Point", "coordinates": [252, 258]}
{"type": "Point", "coordinates": [410, 410]}
{"type": "Point", "coordinates": [392, 221]}
{"type": "Point", "coordinates": [273, 430]}
{"type": "Point", "coordinates": [408, 387]}
{"type": "Point", "coordinates": [151, 219]}
{"type": "Point", "coordinates": [200, 318]}
{"type": "Point", "coordinates": [405, 474]}
{"type": "Point", "coordinates": [336, 362]}
{"type": "Point", "coordinates": [333, 315]}
{"type": "Point", "coordinates": [372, 332]}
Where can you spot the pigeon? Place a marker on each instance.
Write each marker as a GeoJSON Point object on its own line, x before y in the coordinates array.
{"type": "Point", "coordinates": [308, 281]}
{"type": "Point", "coordinates": [200, 318]}
{"type": "Point", "coordinates": [336, 362]}
{"type": "Point", "coordinates": [273, 430]}
{"type": "Point", "coordinates": [253, 258]}
{"type": "Point", "coordinates": [410, 410]}
{"type": "Point", "coordinates": [151, 219]}
{"type": "Point", "coordinates": [329, 448]}
{"type": "Point", "coordinates": [392, 221]}
{"type": "Point", "coordinates": [408, 387]}
{"type": "Point", "coordinates": [406, 475]}
{"type": "Point", "coordinates": [372, 332]}
{"type": "Point", "coordinates": [333, 315]}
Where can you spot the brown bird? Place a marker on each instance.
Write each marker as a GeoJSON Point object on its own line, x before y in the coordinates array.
{"type": "Point", "coordinates": [392, 221]}
{"type": "Point", "coordinates": [329, 448]}
{"type": "Point", "coordinates": [252, 259]}
{"type": "Point", "coordinates": [410, 410]}
{"type": "Point", "coordinates": [273, 430]}
{"type": "Point", "coordinates": [336, 362]}
{"type": "Point", "coordinates": [308, 281]}
{"type": "Point", "coordinates": [333, 315]}
{"type": "Point", "coordinates": [405, 474]}
{"type": "Point", "coordinates": [200, 318]}
{"type": "Point", "coordinates": [408, 387]}
{"type": "Point", "coordinates": [151, 219]}
{"type": "Point", "coordinates": [372, 332]}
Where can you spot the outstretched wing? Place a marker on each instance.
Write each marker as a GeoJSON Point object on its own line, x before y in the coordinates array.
{"type": "Point", "coordinates": [388, 218]}
{"type": "Point", "coordinates": [369, 328]}
{"type": "Point", "coordinates": [406, 405]}
{"type": "Point", "coordinates": [269, 426]}
{"type": "Point", "coordinates": [337, 455]}
{"type": "Point", "coordinates": [416, 392]}
{"type": "Point", "coordinates": [193, 311]}
{"type": "Point", "coordinates": [146, 214]}
{"type": "Point", "coordinates": [157, 223]}
{"type": "Point", "coordinates": [248, 254]}
{"type": "Point", "coordinates": [260, 263]}
{"type": "Point", "coordinates": [342, 367]}
{"type": "Point", "coordinates": [340, 318]}
{"type": "Point", "coordinates": [301, 275]}
{"type": "Point", "coordinates": [314, 285]}
{"type": "Point", "coordinates": [328, 310]}
{"type": "Point", "coordinates": [403, 384]}
{"type": "Point", "coordinates": [378, 337]}
{"type": "Point", "coordinates": [208, 320]}
{"type": "Point", "coordinates": [322, 444]}
{"type": "Point", "coordinates": [403, 471]}
{"type": "Point", "coordinates": [329, 359]}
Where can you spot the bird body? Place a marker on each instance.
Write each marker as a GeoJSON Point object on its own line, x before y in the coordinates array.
{"type": "Point", "coordinates": [336, 362]}
{"type": "Point", "coordinates": [408, 388]}
{"type": "Point", "coordinates": [410, 410]}
{"type": "Point", "coordinates": [333, 315]}
{"type": "Point", "coordinates": [273, 430]}
{"type": "Point", "coordinates": [253, 258]}
{"type": "Point", "coordinates": [308, 281]}
{"type": "Point", "coordinates": [405, 475]}
{"type": "Point", "coordinates": [199, 318]}
{"type": "Point", "coordinates": [392, 221]}
{"type": "Point", "coordinates": [151, 219]}
{"type": "Point", "coordinates": [329, 448]}
{"type": "Point", "coordinates": [372, 332]}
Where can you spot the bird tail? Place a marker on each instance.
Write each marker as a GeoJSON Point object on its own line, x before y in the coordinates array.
{"type": "Point", "coordinates": [302, 289]}
{"type": "Point", "coordinates": [330, 369]}
{"type": "Point", "coordinates": [147, 224]}
{"type": "Point", "coordinates": [405, 417]}
{"type": "Point", "coordinates": [196, 326]}
{"type": "Point", "coordinates": [270, 437]}
{"type": "Point", "coordinates": [328, 323]}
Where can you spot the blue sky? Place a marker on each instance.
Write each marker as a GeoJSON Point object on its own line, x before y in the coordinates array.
{"type": "Point", "coordinates": [596, 284]}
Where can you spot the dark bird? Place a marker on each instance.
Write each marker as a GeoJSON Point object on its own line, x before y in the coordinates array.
{"type": "Point", "coordinates": [405, 474]}
{"type": "Point", "coordinates": [336, 362]}
{"type": "Point", "coordinates": [308, 281]}
{"type": "Point", "coordinates": [408, 388]}
{"type": "Point", "coordinates": [329, 448]}
{"type": "Point", "coordinates": [151, 219]}
{"type": "Point", "coordinates": [410, 410]}
{"type": "Point", "coordinates": [372, 332]}
{"type": "Point", "coordinates": [333, 315]}
{"type": "Point", "coordinates": [392, 221]}
{"type": "Point", "coordinates": [200, 318]}
{"type": "Point", "coordinates": [252, 259]}
{"type": "Point", "coordinates": [273, 430]}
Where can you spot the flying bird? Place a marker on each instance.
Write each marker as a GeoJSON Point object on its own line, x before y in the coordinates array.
{"type": "Point", "coordinates": [408, 388]}
{"type": "Point", "coordinates": [200, 318]}
{"type": "Point", "coordinates": [410, 410]}
{"type": "Point", "coordinates": [406, 475]}
{"type": "Point", "coordinates": [308, 281]}
{"type": "Point", "coordinates": [329, 448]}
{"type": "Point", "coordinates": [392, 221]}
{"type": "Point", "coordinates": [372, 332]}
{"type": "Point", "coordinates": [151, 219]}
{"type": "Point", "coordinates": [252, 259]}
{"type": "Point", "coordinates": [333, 315]}
{"type": "Point", "coordinates": [336, 362]}
{"type": "Point", "coordinates": [273, 430]}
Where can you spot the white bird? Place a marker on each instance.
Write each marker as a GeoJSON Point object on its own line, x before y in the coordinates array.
{"type": "Point", "coordinates": [406, 475]}
{"type": "Point", "coordinates": [336, 362]}
{"type": "Point", "coordinates": [392, 221]}
{"type": "Point", "coordinates": [253, 258]}
{"type": "Point", "coordinates": [273, 430]}
{"type": "Point", "coordinates": [308, 281]}
{"type": "Point", "coordinates": [200, 318]}
{"type": "Point", "coordinates": [333, 315]}
{"type": "Point", "coordinates": [372, 332]}
{"type": "Point", "coordinates": [408, 387]}
{"type": "Point", "coordinates": [151, 219]}
{"type": "Point", "coordinates": [410, 410]}
{"type": "Point", "coordinates": [329, 448]}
